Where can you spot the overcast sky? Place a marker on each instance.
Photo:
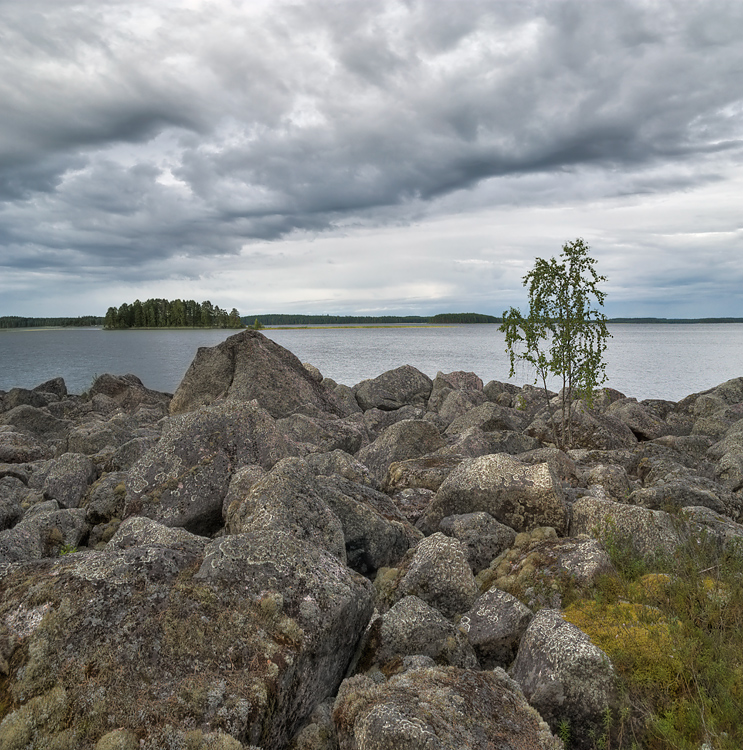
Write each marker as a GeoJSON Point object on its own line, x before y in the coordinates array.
{"type": "Point", "coordinates": [368, 156]}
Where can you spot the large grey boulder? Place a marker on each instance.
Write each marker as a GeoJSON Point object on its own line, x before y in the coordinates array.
{"type": "Point", "coordinates": [415, 711]}
{"type": "Point", "coordinates": [484, 538]}
{"type": "Point", "coordinates": [20, 448]}
{"type": "Point", "coordinates": [487, 417]}
{"type": "Point", "coordinates": [564, 676]}
{"type": "Point", "coordinates": [43, 532]}
{"type": "Point", "coordinates": [703, 521]}
{"type": "Point", "coordinates": [340, 462]}
{"type": "Point", "coordinates": [648, 531]}
{"type": "Point", "coordinates": [520, 496]}
{"type": "Point", "coordinates": [645, 425]}
{"type": "Point", "coordinates": [494, 627]}
{"type": "Point", "coordinates": [133, 640]}
{"type": "Point", "coordinates": [438, 573]}
{"type": "Point", "coordinates": [289, 499]}
{"type": "Point", "coordinates": [92, 437]}
{"type": "Point", "coordinates": [375, 532]}
{"type": "Point", "coordinates": [393, 389]}
{"type": "Point", "coordinates": [410, 438]}
{"type": "Point", "coordinates": [105, 498]}
{"type": "Point", "coordinates": [692, 491]}
{"type": "Point", "coordinates": [250, 366]}
{"type": "Point", "coordinates": [183, 479]}
{"type": "Point", "coordinates": [427, 472]}
{"type": "Point", "coordinates": [69, 479]}
{"type": "Point", "coordinates": [590, 429]}
{"type": "Point", "coordinates": [22, 397]}
{"type": "Point", "coordinates": [322, 435]}
{"type": "Point", "coordinates": [127, 392]}
{"type": "Point", "coordinates": [139, 531]}
{"type": "Point", "coordinates": [612, 478]}
{"type": "Point", "coordinates": [412, 628]}
{"type": "Point", "coordinates": [38, 423]}
{"type": "Point", "coordinates": [456, 403]}
{"type": "Point", "coordinates": [13, 493]}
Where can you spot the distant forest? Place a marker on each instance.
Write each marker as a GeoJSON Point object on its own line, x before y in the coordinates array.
{"type": "Point", "coordinates": [314, 320]}
{"type": "Point", "coordinates": [14, 321]}
{"type": "Point", "coordinates": [163, 313]}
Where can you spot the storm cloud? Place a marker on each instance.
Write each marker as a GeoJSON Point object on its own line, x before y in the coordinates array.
{"type": "Point", "coordinates": [352, 156]}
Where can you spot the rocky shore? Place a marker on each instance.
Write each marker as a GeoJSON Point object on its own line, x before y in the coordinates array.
{"type": "Point", "coordinates": [267, 559]}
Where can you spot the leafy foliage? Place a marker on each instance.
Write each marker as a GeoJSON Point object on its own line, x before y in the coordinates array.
{"type": "Point", "coordinates": [564, 335]}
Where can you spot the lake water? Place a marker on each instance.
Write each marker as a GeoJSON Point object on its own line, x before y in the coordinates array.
{"type": "Point", "coordinates": [644, 361]}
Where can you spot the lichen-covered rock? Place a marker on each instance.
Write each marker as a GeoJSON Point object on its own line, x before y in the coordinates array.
{"type": "Point", "coordinates": [559, 461]}
{"type": "Point", "coordinates": [376, 421]}
{"type": "Point", "coordinates": [250, 366]}
{"type": "Point", "coordinates": [427, 472]}
{"type": "Point", "coordinates": [645, 425]}
{"type": "Point", "coordinates": [376, 534]}
{"type": "Point", "coordinates": [438, 572]}
{"type": "Point", "coordinates": [319, 733]}
{"type": "Point", "coordinates": [612, 478]}
{"type": "Point", "coordinates": [43, 532]}
{"type": "Point", "coordinates": [649, 531]}
{"type": "Point", "coordinates": [450, 404]}
{"type": "Point", "coordinates": [415, 711]}
{"type": "Point", "coordinates": [412, 502]}
{"type": "Point", "coordinates": [38, 423]}
{"type": "Point", "coordinates": [393, 389]}
{"type": "Point", "coordinates": [494, 627]}
{"type": "Point", "coordinates": [520, 496]}
{"type": "Point", "coordinates": [126, 455]}
{"type": "Point", "coordinates": [93, 437]}
{"type": "Point", "coordinates": [341, 463]}
{"type": "Point", "coordinates": [105, 498]}
{"type": "Point", "coordinates": [539, 566]}
{"type": "Point", "coordinates": [691, 491]}
{"type": "Point", "coordinates": [564, 676]}
{"type": "Point", "coordinates": [702, 520]}
{"type": "Point", "coordinates": [127, 392]}
{"type": "Point", "coordinates": [484, 538]}
{"type": "Point", "coordinates": [183, 480]}
{"type": "Point", "coordinates": [413, 628]}
{"type": "Point", "coordinates": [289, 499]}
{"type": "Point", "coordinates": [132, 640]}
{"type": "Point", "coordinates": [69, 479]}
{"type": "Point", "coordinates": [487, 417]}
{"type": "Point", "coordinates": [13, 492]}
{"type": "Point", "coordinates": [323, 435]}
{"type": "Point", "coordinates": [590, 429]}
{"type": "Point", "coordinates": [410, 438]}
{"type": "Point", "coordinates": [23, 396]}
{"type": "Point", "coordinates": [140, 531]}
{"type": "Point", "coordinates": [241, 482]}
{"type": "Point", "coordinates": [19, 448]}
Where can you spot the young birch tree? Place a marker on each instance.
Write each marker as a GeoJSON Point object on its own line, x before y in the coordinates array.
{"type": "Point", "coordinates": [564, 335]}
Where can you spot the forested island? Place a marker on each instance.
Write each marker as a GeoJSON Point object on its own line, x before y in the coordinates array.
{"type": "Point", "coordinates": [163, 313]}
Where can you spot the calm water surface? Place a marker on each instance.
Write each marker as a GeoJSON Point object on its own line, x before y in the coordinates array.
{"type": "Point", "coordinates": [645, 361]}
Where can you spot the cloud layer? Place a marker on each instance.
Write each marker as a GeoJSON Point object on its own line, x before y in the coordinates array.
{"type": "Point", "coordinates": [327, 156]}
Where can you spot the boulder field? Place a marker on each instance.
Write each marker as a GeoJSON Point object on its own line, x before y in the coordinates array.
{"type": "Point", "coordinates": [267, 559]}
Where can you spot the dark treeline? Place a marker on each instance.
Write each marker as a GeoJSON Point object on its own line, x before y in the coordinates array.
{"type": "Point", "coordinates": [14, 321]}
{"type": "Point", "coordinates": [675, 320]}
{"type": "Point", "coordinates": [163, 313]}
{"type": "Point", "coordinates": [277, 319]}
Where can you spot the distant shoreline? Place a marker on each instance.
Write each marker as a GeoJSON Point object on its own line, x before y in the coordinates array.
{"type": "Point", "coordinates": [358, 323]}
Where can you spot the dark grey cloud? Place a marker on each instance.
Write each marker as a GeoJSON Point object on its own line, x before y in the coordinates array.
{"type": "Point", "coordinates": [138, 133]}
